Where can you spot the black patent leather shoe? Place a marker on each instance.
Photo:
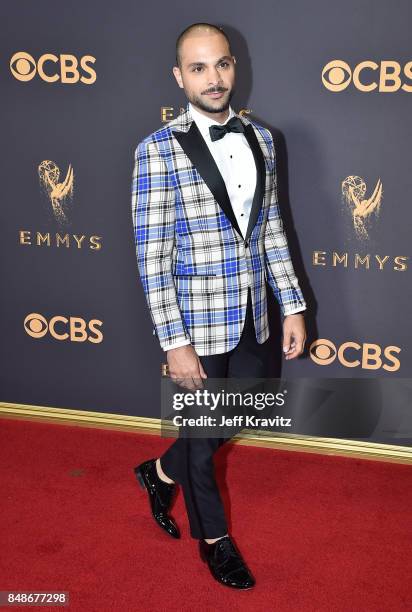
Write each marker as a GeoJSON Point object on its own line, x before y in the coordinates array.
{"type": "Point", "coordinates": [226, 563]}
{"type": "Point", "coordinates": [160, 495]}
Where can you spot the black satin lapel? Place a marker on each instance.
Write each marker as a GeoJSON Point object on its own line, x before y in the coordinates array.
{"type": "Point", "coordinates": [260, 177]}
{"type": "Point", "coordinates": [193, 144]}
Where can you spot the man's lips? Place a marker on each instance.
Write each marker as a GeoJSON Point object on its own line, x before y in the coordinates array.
{"type": "Point", "coordinates": [216, 94]}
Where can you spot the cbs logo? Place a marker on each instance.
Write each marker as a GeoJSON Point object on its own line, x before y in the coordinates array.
{"type": "Point", "coordinates": [352, 355]}
{"type": "Point", "coordinates": [367, 76]}
{"type": "Point", "coordinates": [73, 329]}
{"type": "Point", "coordinates": [52, 68]}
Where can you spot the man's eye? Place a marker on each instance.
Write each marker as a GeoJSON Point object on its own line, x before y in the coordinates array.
{"type": "Point", "coordinates": [197, 68]}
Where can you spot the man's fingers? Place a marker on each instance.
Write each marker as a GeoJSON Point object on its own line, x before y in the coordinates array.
{"type": "Point", "coordinates": [201, 370]}
{"type": "Point", "coordinates": [185, 368]}
{"type": "Point", "coordinates": [185, 383]}
{"type": "Point", "coordinates": [286, 341]}
{"type": "Point", "coordinates": [294, 335]}
{"type": "Point", "coordinates": [193, 380]}
{"type": "Point", "coordinates": [296, 348]}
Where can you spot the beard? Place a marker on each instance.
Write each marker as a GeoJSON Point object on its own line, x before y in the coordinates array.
{"type": "Point", "coordinates": [202, 103]}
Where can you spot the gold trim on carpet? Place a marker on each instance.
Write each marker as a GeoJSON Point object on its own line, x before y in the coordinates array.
{"type": "Point", "coordinates": [311, 444]}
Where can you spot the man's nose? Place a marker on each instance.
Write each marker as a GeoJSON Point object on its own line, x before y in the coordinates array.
{"type": "Point", "coordinates": [214, 77]}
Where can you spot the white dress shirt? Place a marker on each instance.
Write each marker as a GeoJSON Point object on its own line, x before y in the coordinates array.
{"type": "Point", "coordinates": [234, 158]}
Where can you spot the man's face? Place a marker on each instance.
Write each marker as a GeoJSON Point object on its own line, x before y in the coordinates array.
{"type": "Point", "coordinates": [206, 67]}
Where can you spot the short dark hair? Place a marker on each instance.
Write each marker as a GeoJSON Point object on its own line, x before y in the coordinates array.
{"type": "Point", "coordinates": [197, 26]}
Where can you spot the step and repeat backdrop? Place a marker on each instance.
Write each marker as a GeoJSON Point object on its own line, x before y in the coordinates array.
{"type": "Point", "coordinates": [82, 83]}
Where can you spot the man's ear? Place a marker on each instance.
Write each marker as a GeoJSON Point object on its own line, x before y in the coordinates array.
{"type": "Point", "coordinates": [178, 76]}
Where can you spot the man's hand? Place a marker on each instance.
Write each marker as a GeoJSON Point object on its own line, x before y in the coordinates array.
{"type": "Point", "coordinates": [294, 335]}
{"type": "Point", "coordinates": [185, 367]}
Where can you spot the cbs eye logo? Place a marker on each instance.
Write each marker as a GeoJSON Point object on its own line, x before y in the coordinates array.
{"type": "Point", "coordinates": [352, 355]}
{"type": "Point", "coordinates": [367, 76]}
{"type": "Point", "coordinates": [74, 329]}
{"type": "Point", "coordinates": [51, 68]}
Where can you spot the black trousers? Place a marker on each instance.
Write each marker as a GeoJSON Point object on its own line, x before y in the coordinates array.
{"type": "Point", "coordinates": [189, 461]}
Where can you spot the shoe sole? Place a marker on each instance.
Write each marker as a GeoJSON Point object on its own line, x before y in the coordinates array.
{"type": "Point", "coordinates": [248, 588]}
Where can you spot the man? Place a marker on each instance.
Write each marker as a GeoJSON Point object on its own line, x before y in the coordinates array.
{"type": "Point", "coordinates": [209, 235]}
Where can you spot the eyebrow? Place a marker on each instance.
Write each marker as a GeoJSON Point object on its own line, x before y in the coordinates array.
{"type": "Point", "coordinates": [225, 57]}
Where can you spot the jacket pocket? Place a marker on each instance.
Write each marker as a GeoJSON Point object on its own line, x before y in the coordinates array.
{"type": "Point", "coordinates": [196, 284]}
{"type": "Point", "coordinates": [195, 275]}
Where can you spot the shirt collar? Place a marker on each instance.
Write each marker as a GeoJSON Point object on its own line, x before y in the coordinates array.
{"type": "Point", "coordinates": [203, 122]}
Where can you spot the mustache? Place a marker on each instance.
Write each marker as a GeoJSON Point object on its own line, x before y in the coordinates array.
{"type": "Point", "coordinates": [218, 90]}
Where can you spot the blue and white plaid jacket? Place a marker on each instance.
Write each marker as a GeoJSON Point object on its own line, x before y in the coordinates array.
{"type": "Point", "coordinates": [194, 263]}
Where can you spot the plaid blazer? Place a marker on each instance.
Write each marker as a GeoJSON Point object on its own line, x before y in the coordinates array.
{"type": "Point", "coordinates": [195, 266]}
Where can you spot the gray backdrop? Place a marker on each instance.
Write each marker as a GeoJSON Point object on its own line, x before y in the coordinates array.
{"type": "Point", "coordinates": [68, 143]}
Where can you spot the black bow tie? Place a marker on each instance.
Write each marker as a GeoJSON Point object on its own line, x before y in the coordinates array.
{"type": "Point", "coordinates": [233, 125]}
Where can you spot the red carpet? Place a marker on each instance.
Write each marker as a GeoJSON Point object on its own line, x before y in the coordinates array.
{"type": "Point", "coordinates": [319, 533]}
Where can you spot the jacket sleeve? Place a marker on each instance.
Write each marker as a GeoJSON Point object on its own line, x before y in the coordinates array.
{"type": "Point", "coordinates": [153, 212]}
{"type": "Point", "coordinates": [280, 272]}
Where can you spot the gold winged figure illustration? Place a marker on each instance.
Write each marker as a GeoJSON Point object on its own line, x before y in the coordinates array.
{"type": "Point", "coordinates": [353, 192]}
{"type": "Point", "coordinates": [57, 192]}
